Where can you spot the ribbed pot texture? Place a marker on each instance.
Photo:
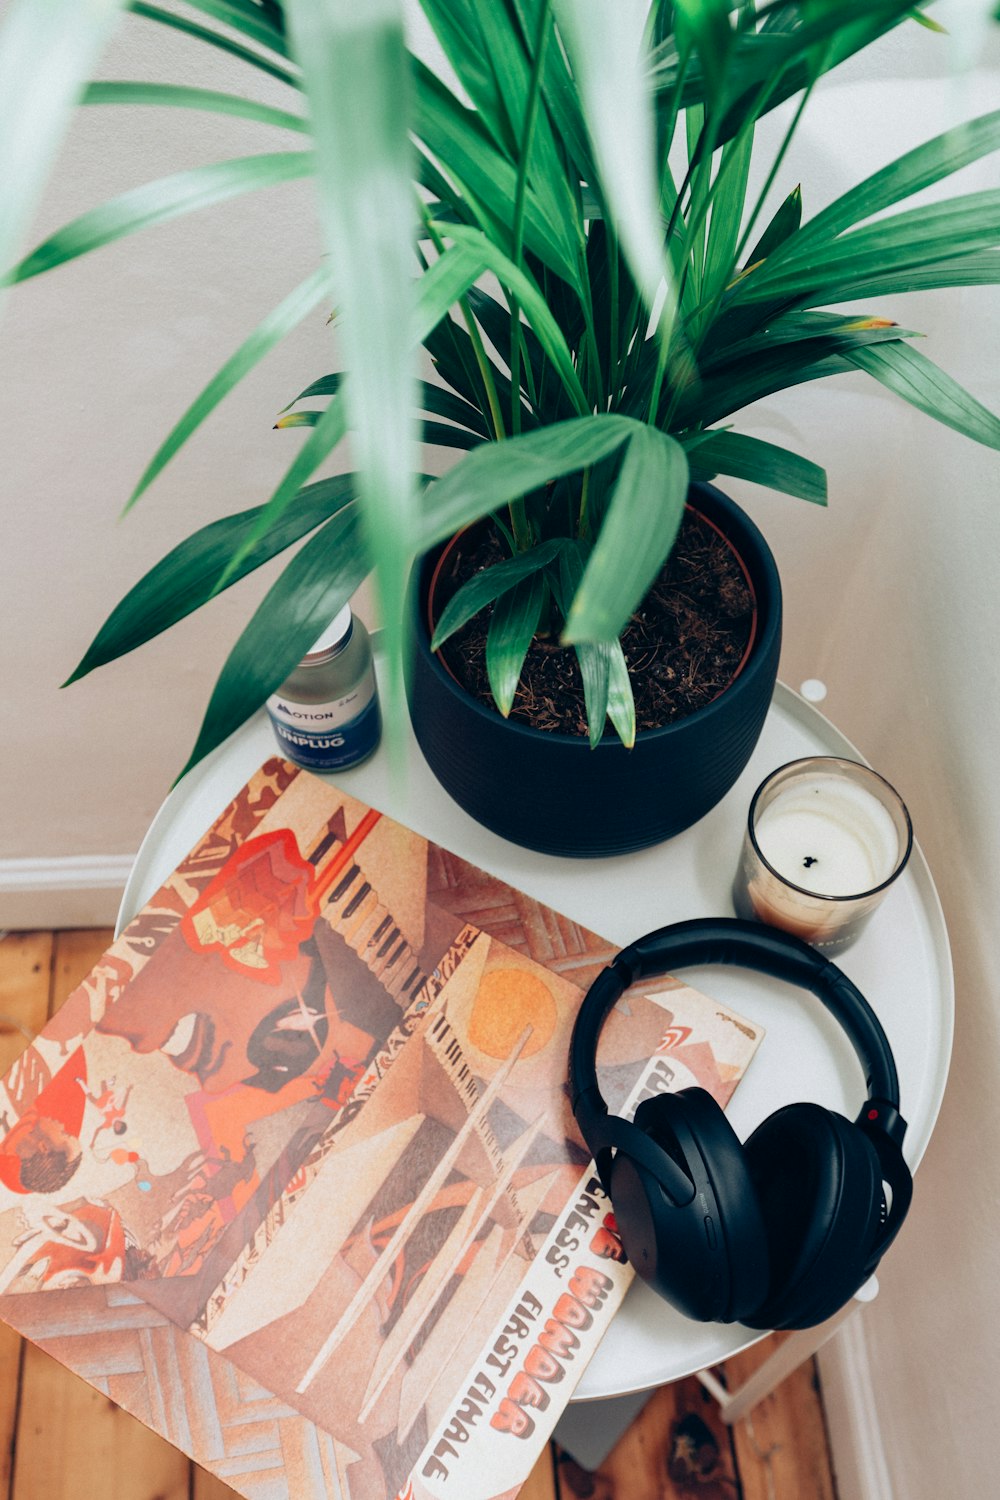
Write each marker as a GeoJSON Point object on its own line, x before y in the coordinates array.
{"type": "Point", "coordinates": [552, 792]}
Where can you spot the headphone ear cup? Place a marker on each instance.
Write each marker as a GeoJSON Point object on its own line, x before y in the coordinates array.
{"type": "Point", "coordinates": [819, 1186]}
{"type": "Point", "coordinates": [712, 1259]}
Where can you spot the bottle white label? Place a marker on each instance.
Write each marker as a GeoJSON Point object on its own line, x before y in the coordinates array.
{"type": "Point", "coordinates": [320, 718]}
{"type": "Point", "coordinates": [328, 736]}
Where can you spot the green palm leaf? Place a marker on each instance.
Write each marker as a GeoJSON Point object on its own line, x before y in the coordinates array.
{"type": "Point", "coordinates": [638, 530]}
{"type": "Point", "coordinates": [728, 200]}
{"type": "Point", "coordinates": [744, 457]}
{"type": "Point", "coordinates": [214, 39]}
{"type": "Point", "coordinates": [593, 657]}
{"type": "Point", "coordinates": [357, 74]}
{"type": "Point", "coordinates": [461, 40]}
{"type": "Point", "coordinates": [318, 581]}
{"type": "Point", "coordinates": [156, 202]}
{"type": "Point", "coordinates": [594, 660]}
{"type": "Point", "coordinates": [461, 145]}
{"type": "Point", "coordinates": [444, 283]}
{"type": "Point", "coordinates": [562, 100]}
{"type": "Point", "coordinates": [488, 584]}
{"type": "Point", "coordinates": [323, 438]}
{"type": "Point", "coordinates": [621, 703]}
{"type": "Point", "coordinates": [486, 48]}
{"type": "Point", "coordinates": [279, 322]}
{"type": "Point", "coordinates": [777, 364]}
{"type": "Point", "coordinates": [512, 627]}
{"type": "Point", "coordinates": [437, 291]}
{"type": "Point", "coordinates": [47, 50]}
{"type": "Point", "coordinates": [497, 325]}
{"type": "Point", "coordinates": [177, 96]}
{"type": "Point", "coordinates": [980, 268]}
{"type": "Point", "coordinates": [909, 174]}
{"type": "Point", "coordinates": [549, 334]}
{"type": "Point", "coordinates": [920, 382]}
{"type": "Point", "coordinates": [433, 398]}
{"type": "Point", "coordinates": [498, 473]}
{"type": "Point", "coordinates": [911, 239]}
{"type": "Point", "coordinates": [247, 17]}
{"type": "Point", "coordinates": [454, 358]}
{"type": "Point", "coordinates": [794, 44]}
{"type": "Point", "coordinates": [799, 327]}
{"type": "Point", "coordinates": [606, 49]}
{"type": "Point", "coordinates": [188, 576]}
{"type": "Point", "coordinates": [607, 691]}
{"type": "Point", "coordinates": [704, 24]}
{"type": "Point", "coordinates": [435, 434]}
{"type": "Point", "coordinates": [786, 220]}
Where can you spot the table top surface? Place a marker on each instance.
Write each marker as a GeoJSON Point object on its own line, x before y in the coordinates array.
{"type": "Point", "coordinates": [902, 963]}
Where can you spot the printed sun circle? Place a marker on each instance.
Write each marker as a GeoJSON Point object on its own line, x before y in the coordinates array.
{"type": "Point", "coordinates": [507, 1002]}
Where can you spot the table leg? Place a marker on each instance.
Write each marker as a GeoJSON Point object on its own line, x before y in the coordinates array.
{"type": "Point", "coordinates": [790, 1353]}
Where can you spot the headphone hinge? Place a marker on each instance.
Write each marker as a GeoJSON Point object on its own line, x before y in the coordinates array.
{"type": "Point", "coordinates": [878, 1117]}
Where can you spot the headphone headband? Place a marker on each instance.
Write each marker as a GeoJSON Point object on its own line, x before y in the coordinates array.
{"type": "Point", "coordinates": [728, 940]}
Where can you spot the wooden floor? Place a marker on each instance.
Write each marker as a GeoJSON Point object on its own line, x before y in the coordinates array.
{"type": "Point", "coordinates": [62, 1440]}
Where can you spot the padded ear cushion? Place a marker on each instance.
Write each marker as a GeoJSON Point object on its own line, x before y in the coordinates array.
{"type": "Point", "coordinates": [819, 1186]}
{"type": "Point", "coordinates": [691, 1128]}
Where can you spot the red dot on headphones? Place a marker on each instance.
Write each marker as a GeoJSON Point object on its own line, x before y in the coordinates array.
{"type": "Point", "coordinates": [873, 1114]}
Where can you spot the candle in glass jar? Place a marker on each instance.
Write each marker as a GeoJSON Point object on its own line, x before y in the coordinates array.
{"type": "Point", "coordinates": [825, 839]}
{"type": "Point", "coordinates": [829, 836]}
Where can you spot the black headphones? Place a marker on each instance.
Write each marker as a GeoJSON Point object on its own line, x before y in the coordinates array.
{"type": "Point", "coordinates": [779, 1232]}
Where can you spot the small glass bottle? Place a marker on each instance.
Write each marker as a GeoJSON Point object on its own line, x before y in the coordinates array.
{"type": "Point", "coordinates": [325, 716]}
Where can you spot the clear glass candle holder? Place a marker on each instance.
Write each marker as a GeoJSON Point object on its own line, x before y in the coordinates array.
{"type": "Point", "coordinates": [825, 840]}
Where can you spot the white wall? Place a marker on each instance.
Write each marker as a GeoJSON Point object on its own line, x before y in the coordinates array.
{"type": "Point", "coordinates": [890, 599]}
{"type": "Point", "coordinates": [99, 360]}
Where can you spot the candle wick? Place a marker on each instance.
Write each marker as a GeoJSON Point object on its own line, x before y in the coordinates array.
{"type": "Point", "coordinates": [809, 861]}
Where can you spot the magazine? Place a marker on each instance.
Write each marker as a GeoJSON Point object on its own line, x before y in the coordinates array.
{"type": "Point", "coordinates": [293, 1175]}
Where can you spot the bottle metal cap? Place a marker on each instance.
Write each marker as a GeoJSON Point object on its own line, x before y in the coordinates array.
{"type": "Point", "coordinates": [334, 636]}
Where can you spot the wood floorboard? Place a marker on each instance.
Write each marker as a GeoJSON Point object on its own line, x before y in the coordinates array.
{"type": "Point", "coordinates": [541, 1484]}
{"type": "Point", "coordinates": [60, 1438]}
{"type": "Point", "coordinates": [25, 983]}
{"type": "Point", "coordinates": [73, 1443]}
{"type": "Point", "coordinates": [205, 1486]}
{"type": "Point", "coordinates": [677, 1446]}
{"type": "Point", "coordinates": [66, 1430]}
{"type": "Point", "coordinates": [781, 1446]}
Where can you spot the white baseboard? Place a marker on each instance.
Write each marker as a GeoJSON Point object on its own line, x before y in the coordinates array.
{"type": "Point", "coordinates": [70, 890]}
{"type": "Point", "coordinates": [849, 1401]}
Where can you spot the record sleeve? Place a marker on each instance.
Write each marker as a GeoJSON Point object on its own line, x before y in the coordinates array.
{"type": "Point", "coordinates": [293, 1175]}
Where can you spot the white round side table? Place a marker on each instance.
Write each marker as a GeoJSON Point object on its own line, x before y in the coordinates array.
{"type": "Point", "coordinates": [902, 963]}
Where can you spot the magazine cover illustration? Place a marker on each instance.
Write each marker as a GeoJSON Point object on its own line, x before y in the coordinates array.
{"type": "Point", "coordinates": [293, 1175]}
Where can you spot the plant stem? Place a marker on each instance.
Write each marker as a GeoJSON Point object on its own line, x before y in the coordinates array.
{"type": "Point", "coordinates": [583, 528]}
{"type": "Point", "coordinates": [593, 394]}
{"type": "Point", "coordinates": [485, 368]}
{"type": "Point", "coordinates": [517, 255]}
{"type": "Point", "coordinates": [701, 147]}
{"type": "Point", "coordinates": [612, 253]}
{"type": "Point", "coordinates": [772, 174]}
{"type": "Point", "coordinates": [707, 316]}
{"type": "Point", "coordinates": [656, 392]}
{"type": "Point", "coordinates": [518, 518]}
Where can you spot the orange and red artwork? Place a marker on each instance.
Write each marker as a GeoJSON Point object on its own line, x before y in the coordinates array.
{"type": "Point", "coordinates": [293, 1175]}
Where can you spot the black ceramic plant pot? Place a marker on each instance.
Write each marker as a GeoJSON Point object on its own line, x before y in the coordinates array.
{"type": "Point", "coordinates": [552, 792]}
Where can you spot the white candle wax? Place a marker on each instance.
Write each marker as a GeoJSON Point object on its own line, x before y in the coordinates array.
{"type": "Point", "coordinates": [829, 836]}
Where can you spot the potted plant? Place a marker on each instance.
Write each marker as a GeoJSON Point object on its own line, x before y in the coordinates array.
{"type": "Point", "coordinates": [641, 295]}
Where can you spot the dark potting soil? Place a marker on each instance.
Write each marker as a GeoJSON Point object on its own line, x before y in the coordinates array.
{"type": "Point", "coordinates": [683, 645]}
